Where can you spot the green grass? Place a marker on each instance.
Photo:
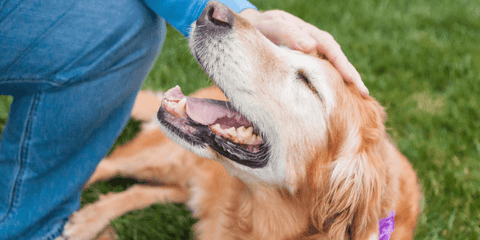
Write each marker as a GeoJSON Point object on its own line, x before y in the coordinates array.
{"type": "Point", "coordinates": [420, 59]}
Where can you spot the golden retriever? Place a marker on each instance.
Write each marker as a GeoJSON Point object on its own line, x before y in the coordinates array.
{"type": "Point", "coordinates": [297, 152]}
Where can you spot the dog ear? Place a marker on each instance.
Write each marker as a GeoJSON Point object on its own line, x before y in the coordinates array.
{"type": "Point", "coordinates": [349, 194]}
{"type": "Point", "coordinates": [351, 203]}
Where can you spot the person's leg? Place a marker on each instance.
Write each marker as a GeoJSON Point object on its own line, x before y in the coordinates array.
{"type": "Point", "coordinates": [74, 69]}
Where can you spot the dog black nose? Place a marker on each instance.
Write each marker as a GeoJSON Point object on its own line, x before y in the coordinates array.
{"type": "Point", "coordinates": [216, 14]}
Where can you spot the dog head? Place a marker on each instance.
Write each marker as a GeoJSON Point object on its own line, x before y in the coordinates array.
{"type": "Point", "coordinates": [308, 128]}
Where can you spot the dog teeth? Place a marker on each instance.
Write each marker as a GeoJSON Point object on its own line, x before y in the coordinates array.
{"type": "Point", "coordinates": [232, 133]}
{"type": "Point", "coordinates": [177, 109]}
{"type": "Point", "coordinates": [216, 128]}
{"type": "Point", "coordinates": [244, 132]}
{"type": "Point", "coordinates": [249, 130]}
{"type": "Point", "coordinates": [182, 106]}
{"type": "Point", "coordinates": [240, 135]}
{"type": "Point", "coordinates": [245, 135]}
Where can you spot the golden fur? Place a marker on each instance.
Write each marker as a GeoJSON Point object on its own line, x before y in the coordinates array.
{"type": "Point", "coordinates": [229, 210]}
{"type": "Point", "coordinates": [337, 186]}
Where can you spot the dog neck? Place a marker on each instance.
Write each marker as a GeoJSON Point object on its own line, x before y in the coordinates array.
{"type": "Point", "coordinates": [259, 205]}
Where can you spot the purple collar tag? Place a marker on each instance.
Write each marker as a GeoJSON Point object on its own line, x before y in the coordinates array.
{"type": "Point", "coordinates": [386, 226]}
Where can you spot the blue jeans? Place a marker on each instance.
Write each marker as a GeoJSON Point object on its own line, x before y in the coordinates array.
{"type": "Point", "coordinates": [74, 68]}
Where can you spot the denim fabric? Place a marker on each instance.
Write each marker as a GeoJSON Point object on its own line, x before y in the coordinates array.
{"type": "Point", "coordinates": [74, 68]}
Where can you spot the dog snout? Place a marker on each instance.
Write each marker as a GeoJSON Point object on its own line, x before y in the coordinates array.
{"type": "Point", "coordinates": [216, 15]}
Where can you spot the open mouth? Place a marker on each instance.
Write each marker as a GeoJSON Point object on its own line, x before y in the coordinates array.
{"type": "Point", "coordinates": [215, 123]}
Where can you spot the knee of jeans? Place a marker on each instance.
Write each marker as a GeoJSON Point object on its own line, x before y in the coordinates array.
{"type": "Point", "coordinates": [130, 36]}
{"type": "Point", "coordinates": [87, 41]}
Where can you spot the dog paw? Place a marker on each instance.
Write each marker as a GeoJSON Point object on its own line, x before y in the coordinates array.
{"type": "Point", "coordinates": [85, 224]}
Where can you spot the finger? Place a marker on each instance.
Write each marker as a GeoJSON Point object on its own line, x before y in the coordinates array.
{"type": "Point", "coordinates": [332, 51]}
{"type": "Point", "coordinates": [304, 42]}
{"type": "Point", "coordinates": [326, 45]}
{"type": "Point", "coordinates": [299, 35]}
{"type": "Point", "coordinates": [358, 82]}
{"type": "Point", "coordinates": [289, 35]}
{"type": "Point", "coordinates": [283, 28]}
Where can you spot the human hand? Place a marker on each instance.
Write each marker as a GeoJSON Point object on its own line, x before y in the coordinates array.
{"type": "Point", "coordinates": [283, 28]}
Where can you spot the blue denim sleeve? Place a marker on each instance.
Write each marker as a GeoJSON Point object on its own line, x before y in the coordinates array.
{"type": "Point", "coordinates": [182, 13]}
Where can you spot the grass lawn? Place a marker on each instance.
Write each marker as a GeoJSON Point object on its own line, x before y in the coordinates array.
{"type": "Point", "coordinates": [420, 59]}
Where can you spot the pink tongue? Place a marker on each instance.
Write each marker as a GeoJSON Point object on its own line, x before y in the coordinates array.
{"type": "Point", "coordinates": [208, 111]}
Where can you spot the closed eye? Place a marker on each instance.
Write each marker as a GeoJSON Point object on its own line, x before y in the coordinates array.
{"type": "Point", "coordinates": [302, 76]}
